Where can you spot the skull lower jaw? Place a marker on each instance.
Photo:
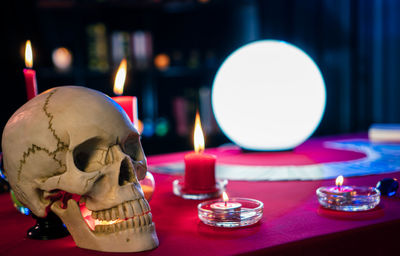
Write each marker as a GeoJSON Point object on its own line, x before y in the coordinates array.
{"type": "Point", "coordinates": [128, 239]}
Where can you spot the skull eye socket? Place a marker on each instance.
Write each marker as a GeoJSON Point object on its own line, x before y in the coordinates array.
{"type": "Point", "coordinates": [81, 160]}
{"type": "Point", "coordinates": [89, 156]}
{"type": "Point", "coordinates": [130, 149]}
{"type": "Point", "coordinates": [131, 146]}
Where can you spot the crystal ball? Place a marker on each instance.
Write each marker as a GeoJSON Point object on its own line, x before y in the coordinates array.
{"type": "Point", "coordinates": [388, 186]}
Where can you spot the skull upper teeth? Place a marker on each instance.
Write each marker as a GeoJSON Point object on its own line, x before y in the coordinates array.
{"type": "Point", "coordinates": [131, 214]}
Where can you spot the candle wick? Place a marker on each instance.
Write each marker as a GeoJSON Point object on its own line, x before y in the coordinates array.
{"type": "Point", "coordinates": [339, 188]}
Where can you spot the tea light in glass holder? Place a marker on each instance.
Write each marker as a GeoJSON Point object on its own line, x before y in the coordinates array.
{"type": "Point", "coordinates": [348, 198]}
{"type": "Point", "coordinates": [230, 213]}
{"type": "Point", "coordinates": [226, 209]}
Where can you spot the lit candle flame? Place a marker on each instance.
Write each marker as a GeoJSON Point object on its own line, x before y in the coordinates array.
{"type": "Point", "coordinates": [225, 198]}
{"type": "Point", "coordinates": [28, 54]}
{"type": "Point", "coordinates": [339, 181]}
{"type": "Point", "coordinates": [120, 78]}
{"type": "Point", "coordinates": [198, 135]}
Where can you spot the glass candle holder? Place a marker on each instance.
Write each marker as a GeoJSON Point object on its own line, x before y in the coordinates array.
{"type": "Point", "coordinates": [178, 188]}
{"type": "Point", "coordinates": [237, 212]}
{"type": "Point", "coordinates": [148, 185]}
{"type": "Point", "coordinates": [348, 198]}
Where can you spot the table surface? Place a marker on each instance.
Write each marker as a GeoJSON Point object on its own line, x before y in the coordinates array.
{"type": "Point", "coordinates": [293, 223]}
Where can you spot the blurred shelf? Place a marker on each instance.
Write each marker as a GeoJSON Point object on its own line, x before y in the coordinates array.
{"type": "Point", "coordinates": [192, 33]}
{"type": "Point", "coordinates": [173, 143]}
{"type": "Point", "coordinates": [49, 72]}
{"type": "Point", "coordinates": [176, 71]}
{"type": "Point", "coordinates": [186, 72]}
{"type": "Point", "coordinates": [169, 6]}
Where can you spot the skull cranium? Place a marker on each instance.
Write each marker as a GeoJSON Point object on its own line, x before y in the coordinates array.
{"type": "Point", "coordinates": [72, 141]}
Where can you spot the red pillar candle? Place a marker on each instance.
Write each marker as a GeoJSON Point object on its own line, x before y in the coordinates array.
{"type": "Point", "coordinates": [199, 172]}
{"type": "Point", "coordinates": [30, 83]}
{"type": "Point", "coordinates": [29, 73]}
{"type": "Point", "coordinates": [199, 167]}
{"type": "Point", "coordinates": [128, 103]}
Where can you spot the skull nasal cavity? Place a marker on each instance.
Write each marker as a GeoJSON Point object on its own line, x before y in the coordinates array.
{"type": "Point", "coordinates": [125, 172]}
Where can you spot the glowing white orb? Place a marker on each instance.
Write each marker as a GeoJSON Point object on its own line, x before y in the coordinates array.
{"type": "Point", "coordinates": [268, 95]}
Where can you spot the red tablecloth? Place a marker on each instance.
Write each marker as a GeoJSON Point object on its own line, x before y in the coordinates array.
{"type": "Point", "coordinates": [292, 224]}
{"type": "Point", "coordinates": [311, 152]}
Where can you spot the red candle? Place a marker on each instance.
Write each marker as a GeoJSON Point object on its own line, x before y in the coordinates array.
{"type": "Point", "coordinates": [199, 172]}
{"type": "Point", "coordinates": [29, 73]}
{"type": "Point", "coordinates": [199, 167]}
{"type": "Point", "coordinates": [128, 103]}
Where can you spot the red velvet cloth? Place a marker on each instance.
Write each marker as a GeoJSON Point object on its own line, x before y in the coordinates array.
{"type": "Point", "coordinates": [292, 224]}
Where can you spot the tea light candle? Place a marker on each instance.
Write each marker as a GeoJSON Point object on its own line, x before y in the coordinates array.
{"type": "Point", "coordinates": [348, 198]}
{"type": "Point", "coordinates": [225, 209]}
{"type": "Point", "coordinates": [230, 213]}
{"type": "Point", "coordinates": [225, 205]}
{"type": "Point", "coordinates": [338, 194]}
{"type": "Point", "coordinates": [339, 189]}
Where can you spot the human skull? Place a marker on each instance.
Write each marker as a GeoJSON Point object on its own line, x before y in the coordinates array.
{"type": "Point", "coordinates": [71, 143]}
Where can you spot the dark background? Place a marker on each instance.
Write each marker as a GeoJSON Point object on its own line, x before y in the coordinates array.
{"type": "Point", "coordinates": [355, 43]}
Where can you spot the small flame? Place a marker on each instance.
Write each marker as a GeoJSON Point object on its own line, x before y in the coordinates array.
{"type": "Point", "coordinates": [339, 180]}
{"type": "Point", "coordinates": [28, 54]}
{"type": "Point", "coordinates": [198, 135]}
{"type": "Point", "coordinates": [225, 197]}
{"type": "Point", "coordinates": [120, 78]}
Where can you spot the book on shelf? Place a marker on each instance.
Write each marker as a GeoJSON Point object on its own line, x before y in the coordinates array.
{"type": "Point", "coordinates": [120, 48]}
{"type": "Point", "coordinates": [142, 48]}
{"type": "Point", "coordinates": [206, 113]}
{"type": "Point", "coordinates": [180, 112]}
{"type": "Point", "coordinates": [384, 133]}
{"type": "Point", "coordinates": [97, 47]}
